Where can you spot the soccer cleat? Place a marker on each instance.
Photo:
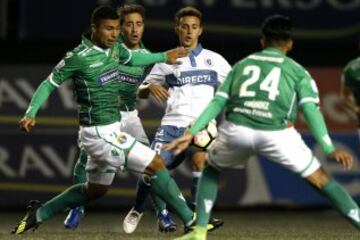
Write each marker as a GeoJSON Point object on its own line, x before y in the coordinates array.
{"type": "Point", "coordinates": [213, 224]}
{"type": "Point", "coordinates": [29, 221]}
{"type": "Point", "coordinates": [166, 224]}
{"type": "Point", "coordinates": [72, 220]}
{"type": "Point", "coordinates": [198, 233]}
{"type": "Point", "coordinates": [131, 221]}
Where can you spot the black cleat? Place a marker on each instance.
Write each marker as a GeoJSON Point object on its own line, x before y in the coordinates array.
{"type": "Point", "coordinates": [29, 221]}
{"type": "Point", "coordinates": [214, 223]}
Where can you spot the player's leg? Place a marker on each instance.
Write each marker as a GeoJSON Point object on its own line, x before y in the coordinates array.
{"type": "Point", "coordinates": [287, 148]}
{"type": "Point", "coordinates": [143, 159]}
{"type": "Point", "coordinates": [337, 195]}
{"type": "Point", "coordinates": [102, 172]}
{"type": "Point", "coordinates": [79, 176]}
{"type": "Point", "coordinates": [231, 149]}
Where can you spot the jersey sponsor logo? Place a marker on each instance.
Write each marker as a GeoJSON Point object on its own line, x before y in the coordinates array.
{"type": "Point", "coordinates": [254, 112]}
{"type": "Point", "coordinates": [196, 77]}
{"type": "Point", "coordinates": [108, 77]}
{"type": "Point", "coordinates": [257, 104]}
{"type": "Point", "coordinates": [131, 79]}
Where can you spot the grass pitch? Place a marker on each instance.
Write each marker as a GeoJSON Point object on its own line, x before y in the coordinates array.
{"type": "Point", "coordinates": [242, 224]}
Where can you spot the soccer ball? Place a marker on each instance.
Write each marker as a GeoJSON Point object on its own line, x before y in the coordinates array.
{"type": "Point", "coordinates": [204, 139]}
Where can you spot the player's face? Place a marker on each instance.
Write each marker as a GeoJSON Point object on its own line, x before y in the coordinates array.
{"type": "Point", "coordinates": [189, 31]}
{"type": "Point", "coordinates": [132, 29]}
{"type": "Point", "coordinates": [106, 32]}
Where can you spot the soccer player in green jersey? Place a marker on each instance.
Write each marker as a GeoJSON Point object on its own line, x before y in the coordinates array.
{"type": "Point", "coordinates": [260, 97]}
{"type": "Point", "coordinates": [350, 87]}
{"type": "Point", "coordinates": [93, 67]}
{"type": "Point", "coordinates": [131, 31]}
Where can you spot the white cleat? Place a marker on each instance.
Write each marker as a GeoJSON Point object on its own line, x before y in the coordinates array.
{"type": "Point", "coordinates": [131, 221]}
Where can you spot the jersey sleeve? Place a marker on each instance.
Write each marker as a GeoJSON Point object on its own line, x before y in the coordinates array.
{"type": "Point", "coordinates": [128, 57]}
{"type": "Point", "coordinates": [157, 75]}
{"type": "Point", "coordinates": [306, 88]}
{"type": "Point", "coordinates": [224, 69]}
{"type": "Point", "coordinates": [225, 88]}
{"type": "Point", "coordinates": [64, 70]}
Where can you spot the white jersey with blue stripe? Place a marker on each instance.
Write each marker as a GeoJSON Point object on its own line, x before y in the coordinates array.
{"type": "Point", "coordinates": [191, 85]}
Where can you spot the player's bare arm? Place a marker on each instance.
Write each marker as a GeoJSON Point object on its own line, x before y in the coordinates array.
{"type": "Point", "coordinates": [27, 123]}
{"type": "Point", "coordinates": [174, 54]}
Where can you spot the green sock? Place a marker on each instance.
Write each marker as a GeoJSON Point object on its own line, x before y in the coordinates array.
{"type": "Point", "coordinates": [159, 204]}
{"type": "Point", "coordinates": [165, 187]}
{"type": "Point", "coordinates": [206, 195]}
{"type": "Point", "coordinates": [72, 197]}
{"type": "Point", "coordinates": [342, 201]}
{"type": "Point", "coordinates": [79, 169]}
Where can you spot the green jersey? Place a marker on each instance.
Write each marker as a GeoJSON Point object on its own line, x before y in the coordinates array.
{"type": "Point", "coordinates": [95, 76]}
{"type": "Point", "coordinates": [265, 89]}
{"type": "Point", "coordinates": [130, 79]}
{"type": "Point", "coordinates": [351, 77]}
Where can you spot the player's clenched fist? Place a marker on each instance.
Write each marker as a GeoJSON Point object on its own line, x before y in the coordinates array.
{"type": "Point", "coordinates": [27, 123]}
{"type": "Point", "coordinates": [174, 54]}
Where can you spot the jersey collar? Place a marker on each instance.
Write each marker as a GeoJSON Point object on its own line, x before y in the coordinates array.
{"type": "Point", "coordinates": [90, 44]}
{"type": "Point", "coordinates": [273, 51]}
{"type": "Point", "coordinates": [196, 51]}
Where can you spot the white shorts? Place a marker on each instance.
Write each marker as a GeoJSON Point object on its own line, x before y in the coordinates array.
{"type": "Point", "coordinates": [131, 124]}
{"type": "Point", "coordinates": [235, 144]}
{"type": "Point", "coordinates": [109, 150]}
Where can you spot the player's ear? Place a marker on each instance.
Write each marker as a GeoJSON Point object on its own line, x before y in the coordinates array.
{"type": "Point", "coordinates": [262, 43]}
{"type": "Point", "coordinates": [290, 45]}
{"type": "Point", "coordinates": [176, 29]}
{"type": "Point", "coordinates": [93, 28]}
{"type": "Point", "coordinates": [201, 30]}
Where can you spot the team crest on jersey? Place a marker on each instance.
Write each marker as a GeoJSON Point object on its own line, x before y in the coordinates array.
{"type": "Point", "coordinates": [121, 138]}
{"type": "Point", "coordinates": [209, 62]}
{"type": "Point", "coordinates": [115, 55]}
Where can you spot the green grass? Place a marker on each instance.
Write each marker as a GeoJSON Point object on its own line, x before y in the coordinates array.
{"type": "Point", "coordinates": [243, 225]}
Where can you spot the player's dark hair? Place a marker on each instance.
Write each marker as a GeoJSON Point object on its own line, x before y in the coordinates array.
{"type": "Point", "coordinates": [103, 12]}
{"type": "Point", "coordinates": [187, 11]}
{"type": "Point", "coordinates": [130, 8]}
{"type": "Point", "coordinates": [277, 28]}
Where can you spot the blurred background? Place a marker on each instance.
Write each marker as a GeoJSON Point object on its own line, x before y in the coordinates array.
{"type": "Point", "coordinates": [34, 36]}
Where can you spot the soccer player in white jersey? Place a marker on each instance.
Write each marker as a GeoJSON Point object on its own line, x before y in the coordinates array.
{"type": "Point", "coordinates": [191, 86]}
{"type": "Point", "coordinates": [261, 95]}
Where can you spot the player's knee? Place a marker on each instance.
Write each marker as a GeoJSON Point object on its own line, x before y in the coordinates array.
{"type": "Point", "coordinates": [319, 178]}
{"type": "Point", "coordinates": [94, 191]}
{"type": "Point", "coordinates": [156, 164]}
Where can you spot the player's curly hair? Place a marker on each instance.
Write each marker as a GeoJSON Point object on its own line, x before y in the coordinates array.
{"type": "Point", "coordinates": [103, 12]}
{"type": "Point", "coordinates": [187, 11]}
{"type": "Point", "coordinates": [277, 28]}
{"type": "Point", "coordinates": [130, 8]}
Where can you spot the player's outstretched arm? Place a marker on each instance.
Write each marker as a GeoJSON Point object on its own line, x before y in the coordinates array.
{"type": "Point", "coordinates": [174, 54]}
{"type": "Point", "coordinates": [40, 96]}
{"type": "Point", "coordinates": [179, 144]}
{"type": "Point", "coordinates": [316, 123]}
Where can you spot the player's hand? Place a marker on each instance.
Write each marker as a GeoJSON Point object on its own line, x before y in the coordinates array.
{"type": "Point", "coordinates": [179, 144]}
{"type": "Point", "coordinates": [342, 157]}
{"type": "Point", "coordinates": [27, 123]}
{"type": "Point", "coordinates": [174, 54]}
{"type": "Point", "coordinates": [158, 92]}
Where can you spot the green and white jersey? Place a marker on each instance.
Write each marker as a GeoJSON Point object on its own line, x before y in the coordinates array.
{"type": "Point", "coordinates": [130, 78]}
{"type": "Point", "coordinates": [265, 89]}
{"type": "Point", "coordinates": [95, 75]}
{"type": "Point", "coordinates": [351, 77]}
